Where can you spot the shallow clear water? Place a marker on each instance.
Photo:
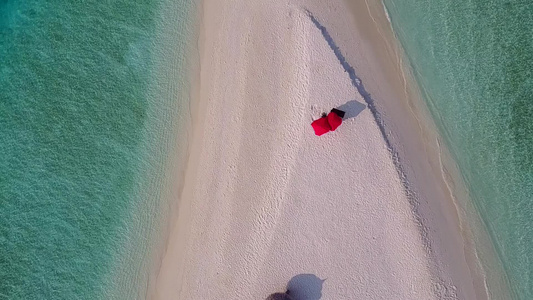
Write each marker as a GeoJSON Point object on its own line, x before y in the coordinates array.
{"type": "Point", "coordinates": [78, 112]}
{"type": "Point", "coordinates": [474, 61]}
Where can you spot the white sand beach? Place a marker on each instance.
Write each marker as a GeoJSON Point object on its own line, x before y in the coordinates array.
{"type": "Point", "coordinates": [265, 201]}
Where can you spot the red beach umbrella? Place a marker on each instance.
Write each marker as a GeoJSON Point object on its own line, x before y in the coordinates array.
{"type": "Point", "coordinates": [334, 120]}
{"type": "Point", "coordinates": [321, 126]}
{"type": "Point", "coordinates": [328, 123]}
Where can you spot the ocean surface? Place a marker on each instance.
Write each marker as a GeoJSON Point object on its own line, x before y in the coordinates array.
{"type": "Point", "coordinates": [473, 61]}
{"type": "Point", "coordinates": [89, 94]}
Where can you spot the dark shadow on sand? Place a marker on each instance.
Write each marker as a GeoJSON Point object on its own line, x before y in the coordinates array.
{"type": "Point", "coordinates": [358, 84]}
{"type": "Point", "coordinates": [356, 81]}
{"type": "Point", "coordinates": [351, 108]}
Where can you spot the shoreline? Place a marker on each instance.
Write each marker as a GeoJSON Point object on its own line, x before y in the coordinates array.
{"type": "Point", "coordinates": [479, 251]}
{"type": "Point", "coordinates": [177, 222]}
{"type": "Point", "coordinates": [179, 241]}
{"type": "Point", "coordinates": [432, 201]}
{"type": "Point", "coordinates": [164, 152]}
{"type": "Point", "coordinates": [173, 83]}
{"type": "Point", "coordinates": [421, 156]}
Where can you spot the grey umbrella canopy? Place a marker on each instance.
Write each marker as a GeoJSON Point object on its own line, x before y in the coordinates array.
{"type": "Point", "coordinates": [280, 296]}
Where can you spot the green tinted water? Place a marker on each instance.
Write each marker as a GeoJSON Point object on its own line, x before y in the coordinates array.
{"type": "Point", "coordinates": [80, 112]}
{"type": "Point", "coordinates": [474, 62]}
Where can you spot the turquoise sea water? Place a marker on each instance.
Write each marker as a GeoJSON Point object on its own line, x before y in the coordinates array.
{"type": "Point", "coordinates": [85, 127]}
{"type": "Point", "coordinates": [474, 63]}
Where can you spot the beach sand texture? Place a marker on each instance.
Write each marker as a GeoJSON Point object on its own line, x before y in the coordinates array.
{"type": "Point", "coordinates": [266, 200]}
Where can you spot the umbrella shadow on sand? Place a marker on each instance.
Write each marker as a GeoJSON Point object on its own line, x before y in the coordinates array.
{"type": "Point", "coordinates": [305, 287]}
{"type": "Point", "coordinates": [351, 108]}
{"type": "Point", "coordinates": [301, 287]}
